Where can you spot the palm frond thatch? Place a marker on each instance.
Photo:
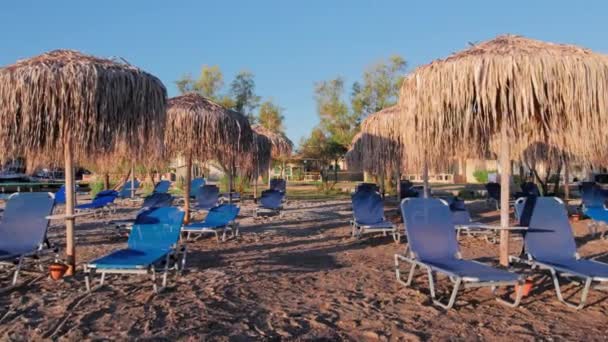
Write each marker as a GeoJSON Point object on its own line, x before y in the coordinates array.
{"type": "Point", "coordinates": [377, 148]}
{"type": "Point", "coordinates": [281, 145]}
{"type": "Point", "coordinates": [204, 130]}
{"type": "Point", "coordinates": [259, 157]}
{"type": "Point", "coordinates": [66, 96]}
{"type": "Point", "coordinates": [354, 155]}
{"type": "Point", "coordinates": [546, 92]}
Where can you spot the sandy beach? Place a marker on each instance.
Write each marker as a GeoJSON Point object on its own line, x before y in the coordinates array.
{"type": "Point", "coordinates": [300, 277]}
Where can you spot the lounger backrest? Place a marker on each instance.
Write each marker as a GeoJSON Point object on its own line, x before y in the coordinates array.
{"type": "Point", "coordinates": [278, 184]}
{"type": "Point", "coordinates": [549, 235]}
{"type": "Point", "coordinates": [430, 232]}
{"type": "Point", "coordinates": [60, 195]}
{"type": "Point", "coordinates": [368, 207]}
{"type": "Point", "coordinates": [207, 196]}
{"type": "Point", "coordinates": [523, 208]}
{"type": "Point", "coordinates": [195, 184]}
{"type": "Point", "coordinates": [158, 200]}
{"type": "Point", "coordinates": [592, 195]}
{"type": "Point", "coordinates": [366, 187]}
{"type": "Point", "coordinates": [460, 214]}
{"type": "Point", "coordinates": [493, 190]}
{"type": "Point", "coordinates": [162, 187]}
{"type": "Point", "coordinates": [530, 189]}
{"type": "Point", "coordinates": [160, 215]}
{"type": "Point", "coordinates": [271, 199]}
{"type": "Point", "coordinates": [222, 214]}
{"type": "Point", "coordinates": [24, 223]}
{"type": "Point", "coordinates": [155, 236]}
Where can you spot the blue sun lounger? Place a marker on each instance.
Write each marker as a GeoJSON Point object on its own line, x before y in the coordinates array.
{"type": "Point", "coordinates": [433, 246]}
{"type": "Point", "coordinates": [270, 203]}
{"type": "Point", "coordinates": [195, 184]}
{"type": "Point", "coordinates": [366, 187]}
{"type": "Point", "coordinates": [152, 247]}
{"type": "Point", "coordinates": [594, 206]}
{"type": "Point", "coordinates": [207, 197]}
{"type": "Point", "coordinates": [162, 187]}
{"type": "Point", "coordinates": [368, 215]}
{"type": "Point", "coordinates": [549, 245]}
{"type": "Point", "coordinates": [23, 228]}
{"type": "Point", "coordinates": [153, 201]}
{"type": "Point", "coordinates": [103, 201]}
{"type": "Point", "coordinates": [220, 218]}
{"type": "Point", "coordinates": [278, 184]}
{"type": "Point", "coordinates": [125, 191]}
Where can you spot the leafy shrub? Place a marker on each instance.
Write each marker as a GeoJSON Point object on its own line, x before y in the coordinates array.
{"type": "Point", "coordinates": [96, 187]}
{"type": "Point", "coordinates": [482, 175]}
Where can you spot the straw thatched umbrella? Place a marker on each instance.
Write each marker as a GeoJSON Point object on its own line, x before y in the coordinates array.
{"type": "Point", "coordinates": [377, 148]}
{"type": "Point", "coordinates": [520, 89]}
{"type": "Point", "coordinates": [281, 145]}
{"type": "Point", "coordinates": [258, 159]}
{"type": "Point", "coordinates": [198, 128]}
{"type": "Point", "coordinates": [64, 105]}
{"type": "Point", "coordinates": [354, 155]}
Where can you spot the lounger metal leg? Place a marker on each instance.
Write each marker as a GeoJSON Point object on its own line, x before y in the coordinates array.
{"type": "Point", "coordinates": [154, 287]}
{"type": "Point", "coordinates": [452, 297]}
{"type": "Point", "coordinates": [87, 281]}
{"type": "Point", "coordinates": [396, 236]}
{"type": "Point", "coordinates": [17, 269]}
{"type": "Point", "coordinates": [103, 277]}
{"type": "Point", "coordinates": [182, 267]}
{"type": "Point", "coordinates": [558, 291]}
{"type": "Point", "coordinates": [166, 271]}
{"type": "Point", "coordinates": [518, 295]}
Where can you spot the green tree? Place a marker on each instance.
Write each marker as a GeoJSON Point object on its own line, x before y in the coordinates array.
{"type": "Point", "coordinates": [208, 84]}
{"type": "Point", "coordinates": [379, 88]}
{"type": "Point", "coordinates": [242, 91]}
{"type": "Point", "coordinates": [324, 149]}
{"type": "Point", "coordinates": [271, 117]}
{"type": "Point", "coordinates": [336, 120]}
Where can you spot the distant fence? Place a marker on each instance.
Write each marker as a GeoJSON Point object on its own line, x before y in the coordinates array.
{"type": "Point", "coordinates": [343, 176]}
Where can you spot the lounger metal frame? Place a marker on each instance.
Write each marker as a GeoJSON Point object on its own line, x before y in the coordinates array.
{"type": "Point", "coordinates": [458, 281]}
{"type": "Point", "coordinates": [175, 260]}
{"type": "Point", "coordinates": [357, 230]}
{"type": "Point", "coordinates": [557, 272]}
{"type": "Point", "coordinates": [464, 282]}
{"type": "Point", "coordinates": [263, 210]}
{"type": "Point", "coordinates": [231, 226]}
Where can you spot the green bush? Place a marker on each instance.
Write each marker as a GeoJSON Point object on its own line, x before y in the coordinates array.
{"type": "Point", "coordinates": [482, 175]}
{"type": "Point", "coordinates": [240, 184]}
{"type": "Point", "coordinates": [96, 187]}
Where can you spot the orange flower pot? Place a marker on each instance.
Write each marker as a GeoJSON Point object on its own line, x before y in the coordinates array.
{"type": "Point", "coordinates": [526, 288]}
{"type": "Point", "coordinates": [57, 270]}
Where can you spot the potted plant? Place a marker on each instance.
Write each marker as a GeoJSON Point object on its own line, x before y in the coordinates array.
{"type": "Point", "coordinates": [57, 269]}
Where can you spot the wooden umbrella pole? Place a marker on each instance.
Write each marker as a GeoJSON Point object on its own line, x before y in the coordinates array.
{"type": "Point", "coordinates": [70, 249]}
{"type": "Point", "coordinates": [132, 179]}
{"type": "Point", "coordinates": [187, 188]}
{"type": "Point", "coordinates": [504, 192]}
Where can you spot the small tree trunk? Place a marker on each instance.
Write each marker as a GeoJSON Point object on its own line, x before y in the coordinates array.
{"type": "Point", "coordinates": [566, 181]}
{"type": "Point", "coordinates": [106, 181]}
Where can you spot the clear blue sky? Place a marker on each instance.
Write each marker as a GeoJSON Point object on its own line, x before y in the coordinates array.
{"type": "Point", "coordinates": [288, 45]}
